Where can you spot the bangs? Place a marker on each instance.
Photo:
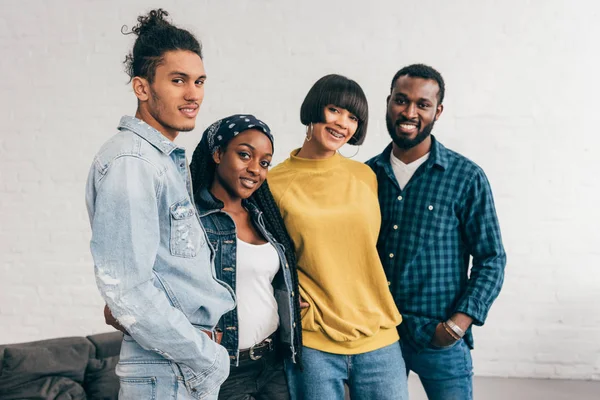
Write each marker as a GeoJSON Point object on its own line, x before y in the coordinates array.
{"type": "Point", "coordinates": [346, 94]}
{"type": "Point", "coordinates": [341, 92]}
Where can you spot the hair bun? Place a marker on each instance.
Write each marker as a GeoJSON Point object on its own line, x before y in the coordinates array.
{"type": "Point", "coordinates": [148, 22]}
{"type": "Point", "coordinates": [155, 37]}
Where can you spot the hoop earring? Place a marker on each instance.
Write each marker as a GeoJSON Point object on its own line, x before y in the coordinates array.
{"type": "Point", "coordinates": [311, 132]}
{"type": "Point", "coordinates": [353, 155]}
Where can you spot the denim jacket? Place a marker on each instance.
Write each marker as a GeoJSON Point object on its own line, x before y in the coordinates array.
{"type": "Point", "coordinates": [221, 232]}
{"type": "Point", "coordinates": [153, 263]}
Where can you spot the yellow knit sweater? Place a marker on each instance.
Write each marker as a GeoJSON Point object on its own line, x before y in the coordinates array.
{"type": "Point", "coordinates": [331, 212]}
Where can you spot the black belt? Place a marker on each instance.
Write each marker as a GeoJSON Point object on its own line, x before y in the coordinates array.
{"type": "Point", "coordinates": [259, 350]}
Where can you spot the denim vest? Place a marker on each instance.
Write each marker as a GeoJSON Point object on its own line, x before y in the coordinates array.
{"type": "Point", "coordinates": [221, 232]}
{"type": "Point", "coordinates": [152, 259]}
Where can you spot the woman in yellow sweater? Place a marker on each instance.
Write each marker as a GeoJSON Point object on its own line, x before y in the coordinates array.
{"type": "Point", "coordinates": [330, 208]}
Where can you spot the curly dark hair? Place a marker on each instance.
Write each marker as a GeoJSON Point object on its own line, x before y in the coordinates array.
{"type": "Point", "coordinates": [155, 37]}
{"type": "Point", "coordinates": [203, 169]}
{"type": "Point", "coordinates": [425, 72]}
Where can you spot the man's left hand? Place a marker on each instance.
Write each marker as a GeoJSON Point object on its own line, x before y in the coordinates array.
{"type": "Point", "coordinates": [442, 338]}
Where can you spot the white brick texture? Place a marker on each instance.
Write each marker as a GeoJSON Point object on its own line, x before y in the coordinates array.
{"type": "Point", "coordinates": [522, 89]}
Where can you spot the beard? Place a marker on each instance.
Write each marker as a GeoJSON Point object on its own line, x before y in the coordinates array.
{"type": "Point", "coordinates": [158, 110]}
{"type": "Point", "coordinates": [402, 142]}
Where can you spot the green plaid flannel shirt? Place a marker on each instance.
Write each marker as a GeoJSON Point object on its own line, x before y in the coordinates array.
{"type": "Point", "coordinates": [430, 230]}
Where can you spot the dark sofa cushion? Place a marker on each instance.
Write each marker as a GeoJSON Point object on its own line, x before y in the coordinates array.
{"type": "Point", "coordinates": [28, 362]}
{"type": "Point", "coordinates": [101, 381]}
{"type": "Point", "coordinates": [107, 344]}
{"type": "Point", "coordinates": [48, 388]}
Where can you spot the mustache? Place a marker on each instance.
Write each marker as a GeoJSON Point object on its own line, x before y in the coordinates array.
{"type": "Point", "coordinates": [402, 120]}
{"type": "Point", "coordinates": [192, 103]}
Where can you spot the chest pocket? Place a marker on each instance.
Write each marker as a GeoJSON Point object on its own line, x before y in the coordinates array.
{"type": "Point", "coordinates": [434, 220]}
{"type": "Point", "coordinates": [186, 237]}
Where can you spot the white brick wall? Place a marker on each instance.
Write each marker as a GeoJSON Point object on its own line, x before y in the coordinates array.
{"type": "Point", "coordinates": [522, 89]}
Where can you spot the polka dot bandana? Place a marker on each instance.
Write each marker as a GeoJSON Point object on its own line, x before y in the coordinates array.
{"type": "Point", "coordinates": [221, 132]}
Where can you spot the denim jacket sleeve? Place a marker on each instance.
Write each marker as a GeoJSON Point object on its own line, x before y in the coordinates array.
{"type": "Point", "coordinates": [123, 208]}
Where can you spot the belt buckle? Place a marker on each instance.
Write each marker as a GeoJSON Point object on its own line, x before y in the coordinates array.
{"type": "Point", "coordinates": [268, 342]}
{"type": "Point", "coordinates": [252, 356]}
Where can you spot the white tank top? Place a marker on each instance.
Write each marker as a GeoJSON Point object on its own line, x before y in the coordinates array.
{"type": "Point", "coordinates": [256, 306]}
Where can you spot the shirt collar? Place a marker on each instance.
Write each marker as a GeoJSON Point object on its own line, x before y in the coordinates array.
{"type": "Point", "coordinates": [438, 155]}
{"type": "Point", "coordinates": [148, 133]}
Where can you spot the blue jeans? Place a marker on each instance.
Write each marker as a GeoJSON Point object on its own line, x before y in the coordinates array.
{"type": "Point", "coordinates": [149, 376]}
{"type": "Point", "coordinates": [378, 374]}
{"type": "Point", "coordinates": [446, 373]}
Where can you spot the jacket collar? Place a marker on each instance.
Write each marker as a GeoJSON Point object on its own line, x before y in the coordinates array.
{"type": "Point", "coordinates": [148, 133]}
{"type": "Point", "coordinates": [206, 203]}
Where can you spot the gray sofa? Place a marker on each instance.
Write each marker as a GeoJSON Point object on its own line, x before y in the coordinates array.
{"type": "Point", "coordinates": [61, 369]}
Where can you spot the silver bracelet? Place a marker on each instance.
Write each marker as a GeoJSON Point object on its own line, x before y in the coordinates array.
{"type": "Point", "coordinates": [455, 328]}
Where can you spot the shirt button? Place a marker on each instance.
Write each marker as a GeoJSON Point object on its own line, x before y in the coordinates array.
{"type": "Point", "coordinates": [389, 283]}
{"type": "Point", "coordinates": [395, 226]}
{"type": "Point", "coordinates": [182, 165]}
{"type": "Point", "coordinates": [391, 255]}
{"type": "Point", "coordinates": [294, 325]}
{"type": "Point", "coordinates": [430, 208]}
{"type": "Point", "coordinates": [399, 197]}
{"type": "Point", "coordinates": [293, 293]}
{"type": "Point", "coordinates": [287, 265]}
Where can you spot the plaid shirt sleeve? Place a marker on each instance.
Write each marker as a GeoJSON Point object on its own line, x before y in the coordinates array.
{"type": "Point", "coordinates": [481, 232]}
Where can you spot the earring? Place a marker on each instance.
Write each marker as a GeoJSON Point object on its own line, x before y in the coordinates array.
{"type": "Point", "coordinates": [307, 131]}
{"type": "Point", "coordinates": [353, 155]}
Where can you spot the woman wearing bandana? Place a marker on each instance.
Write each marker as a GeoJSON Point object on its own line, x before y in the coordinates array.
{"type": "Point", "coordinates": [252, 253]}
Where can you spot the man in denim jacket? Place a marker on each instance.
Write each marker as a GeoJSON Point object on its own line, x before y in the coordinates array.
{"type": "Point", "coordinates": [153, 262]}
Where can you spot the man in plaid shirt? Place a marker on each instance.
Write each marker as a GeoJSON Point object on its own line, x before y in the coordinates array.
{"type": "Point", "coordinates": [437, 212]}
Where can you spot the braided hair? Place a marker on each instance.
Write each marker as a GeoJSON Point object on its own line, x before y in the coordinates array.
{"type": "Point", "coordinates": [274, 224]}
{"type": "Point", "coordinates": [203, 169]}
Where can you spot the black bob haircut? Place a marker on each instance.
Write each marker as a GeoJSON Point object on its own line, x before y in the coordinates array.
{"type": "Point", "coordinates": [424, 72]}
{"type": "Point", "coordinates": [341, 92]}
{"type": "Point", "coordinates": [155, 37]}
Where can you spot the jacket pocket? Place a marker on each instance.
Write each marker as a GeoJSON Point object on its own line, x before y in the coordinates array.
{"type": "Point", "coordinates": [186, 238]}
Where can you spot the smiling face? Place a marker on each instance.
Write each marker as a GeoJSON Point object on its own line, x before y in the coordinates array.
{"type": "Point", "coordinates": [327, 137]}
{"type": "Point", "coordinates": [171, 102]}
{"type": "Point", "coordinates": [242, 167]}
{"type": "Point", "coordinates": [412, 109]}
